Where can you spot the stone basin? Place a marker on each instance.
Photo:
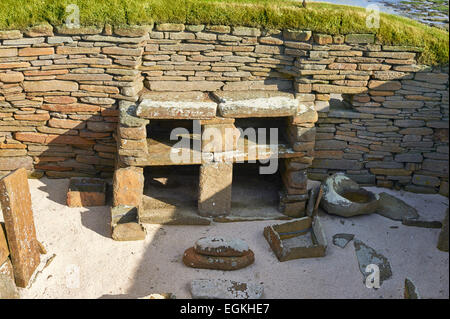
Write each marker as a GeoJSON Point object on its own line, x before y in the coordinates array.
{"type": "Point", "coordinates": [344, 197]}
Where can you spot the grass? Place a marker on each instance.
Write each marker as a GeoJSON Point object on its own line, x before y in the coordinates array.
{"type": "Point", "coordinates": [270, 14]}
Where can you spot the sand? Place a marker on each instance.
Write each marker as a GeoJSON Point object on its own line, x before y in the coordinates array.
{"type": "Point", "coordinates": [87, 263]}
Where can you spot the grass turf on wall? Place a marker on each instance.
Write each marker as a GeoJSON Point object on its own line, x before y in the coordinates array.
{"type": "Point", "coordinates": [269, 14]}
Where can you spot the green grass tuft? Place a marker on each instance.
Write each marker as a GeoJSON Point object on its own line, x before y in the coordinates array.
{"type": "Point", "coordinates": [269, 14]}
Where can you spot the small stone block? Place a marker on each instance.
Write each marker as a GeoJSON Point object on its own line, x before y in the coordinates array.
{"type": "Point", "coordinates": [86, 192]}
{"type": "Point", "coordinates": [303, 238]}
{"type": "Point", "coordinates": [215, 189]}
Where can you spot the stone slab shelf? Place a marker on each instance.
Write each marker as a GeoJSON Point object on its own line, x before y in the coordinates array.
{"type": "Point", "coordinates": [160, 152]}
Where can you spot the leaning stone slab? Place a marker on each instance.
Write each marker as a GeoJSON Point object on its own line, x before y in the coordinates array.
{"type": "Point", "coordinates": [443, 236]}
{"type": "Point", "coordinates": [4, 250]}
{"type": "Point", "coordinates": [367, 256]}
{"type": "Point", "coordinates": [176, 105]}
{"type": "Point", "coordinates": [420, 222]}
{"type": "Point", "coordinates": [391, 207]}
{"type": "Point", "coordinates": [341, 240]}
{"type": "Point", "coordinates": [86, 192]}
{"type": "Point", "coordinates": [411, 291]}
{"type": "Point", "coordinates": [225, 289]}
{"type": "Point", "coordinates": [19, 223]}
{"type": "Point", "coordinates": [8, 289]}
{"type": "Point", "coordinates": [221, 246]}
{"type": "Point", "coordinates": [256, 104]}
{"type": "Point", "coordinates": [195, 260]}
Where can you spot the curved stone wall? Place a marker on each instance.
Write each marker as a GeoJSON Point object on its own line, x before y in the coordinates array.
{"type": "Point", "coordinates": [60, 92]}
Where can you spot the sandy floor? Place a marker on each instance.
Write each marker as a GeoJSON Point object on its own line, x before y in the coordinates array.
{"type": "Point", "coordinates": [89, 264]}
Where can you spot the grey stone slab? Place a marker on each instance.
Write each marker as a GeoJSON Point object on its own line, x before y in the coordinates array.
{"type": "Point", "coordinates": [225, 289]}
{"type": "Point", "coordinates": [366, 256]}
{"type": "Point", "coordinates": [391, 207]}
{"type": "Point", "coordinates": [341, 240]}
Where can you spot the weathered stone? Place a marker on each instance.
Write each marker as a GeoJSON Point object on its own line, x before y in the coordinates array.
{"type": "Point", "coordinates": [176, 105]}
{"type": "Point", "coordinates": [341, 240]}
{"type": "Point", "coordinates": [297, 35]}
{"type": "Point", "coordinates": [128, 232]}
{"type": "Point", "coordinates": [10, 34]}
{"type": "Point", "coordinates": [367, 255]}
{"type": "Point", "coordinates": [221, 246]}
{"type": "Point", "coordinates": [215, 189]}
{"type": "Point", "coordinates": [424, 180]}
{"type": "Point", "coordinates": [36, 51]}
{"type": "Point", "coordinates": [40, 30]}
{"type": "Point", "coordinates": [173, 27]}
{"type": "Point", "coordinates": [410, 291]}
{"type": "Point", "coordinates": [52, 85]}
{"type": "Point", "coordinates": [344, 197]}
{"type": "Point", "coordinates": [218, 138]}
{"type": "Point", "coordinates": [86, 192]}
{"type": "Point", "coordinates": [128, 186]}
{"type": "Point", "coordinates": [256, 104]}
{"type": "Point", "coordinates": [182, 86]}
{"type": "Point", "coordinates": [195, 260]}
{"type": "Point", "coordinates": [391, 207]}
{"type": "Point", "coordinates": [327, 88]}
{"type": "Point", "coordinates": [409, 157]}
{"type": "Point", "coordinates": [4, 250]}
{"type": "Point", "coordinates": [8, 289]}
{"type": "Point", "coordinates": [63, 29]}
{"type": "Point", "coordinates": [12, 163]}
{"type": "Point", "coordinates": [385, 85]}
{"type": "Point", "coordinates": [359, 38]}
{"type": "Point", "coordinates": [293, 240]}
{"type": "Point", "coordinates": [443, 235]}
{"type": "Point", "coordinates": [11, 77]}
{"type": "Point", "coordinates": [224, 289]}
{"type": "Point", "coordinates": [421, 222]}
{"type": "Point", "coordinates": [19, 225]}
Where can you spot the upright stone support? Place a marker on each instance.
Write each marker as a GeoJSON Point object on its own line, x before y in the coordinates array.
{"type": "Point", "coordinates": [215, 189]}
{"type": "Point", "coordinates": [20, 231]}
{"type": "Point", "coordinates": [128, 186]}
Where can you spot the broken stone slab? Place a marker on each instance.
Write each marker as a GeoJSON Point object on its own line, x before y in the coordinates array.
{"type": "Point", "coordinates": [195, 260]}
{"type": "Point", "coordinates": [225, 289]}
{"type": "Point", "coordinates": [443, 235]}
{"type": "Point", "coordinates": [176, 105]}
{"type": "Point", "coordinates": [221, 246]}
{"type": "Point", "coordinates": [344, 197]}
{"type": "Point", "coordinates": [302, 238]}
{"type": "Point", "coordinates": [241, 104]}
{"type": "Point", "coordinates": [4, 250]}
{"type": "Point", "coordinates": [391, 207]}
{"type": "Point", "coordinates": [15, 202]}
{"type": "Point", "coordinates": [341, 240]}
{"type": "Point", "coordinates": [8, 289]}
{"type": "Point", "coordinates": [125, 225]}
{"type": "Point", "coordinates": [411, 291]}
{"type": "Point", "coordinates": [367, 256]}
{"type": "Point", "coordinates": [86, 192]}
{"type": "Point", "coordinates": [420, 222]}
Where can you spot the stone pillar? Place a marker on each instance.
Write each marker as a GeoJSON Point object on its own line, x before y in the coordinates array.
{"type": "Point", "coordinates": [214, 197]}
{"type": "Point", "coordinates": [128, 186]}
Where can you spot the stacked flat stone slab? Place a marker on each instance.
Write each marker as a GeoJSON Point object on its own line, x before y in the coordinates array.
{"type": "Point", "coordinates": [61, 91]}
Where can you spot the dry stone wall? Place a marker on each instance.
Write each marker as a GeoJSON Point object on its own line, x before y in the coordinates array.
{"type": "Point", "coordinates": [61, 91]}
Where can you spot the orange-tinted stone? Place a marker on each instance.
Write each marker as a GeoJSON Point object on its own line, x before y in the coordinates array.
{"type": "Point", "coordinates": [19, 223]}
{"type": "Point", "coordinates": [86, 192]}
{"type": "Point", "coordinates": [128, 186]}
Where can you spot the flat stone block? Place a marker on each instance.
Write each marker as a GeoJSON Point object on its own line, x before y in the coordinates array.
{"type": "Point", "coordinates": [125, 225]}
{"type": "Point", "coordinates": [225, 289]}
{"type": "Point", "coordinates": [86, 192]}
{"type": "Point", "coordinates": [215, 189]}
{"type": "Point", "coordinates": [241, 104]}
{"type": "Point", "coordinates": [176, 105]}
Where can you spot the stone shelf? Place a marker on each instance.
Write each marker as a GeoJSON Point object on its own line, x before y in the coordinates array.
{"type": "Point", "coordinates": [160, 151]}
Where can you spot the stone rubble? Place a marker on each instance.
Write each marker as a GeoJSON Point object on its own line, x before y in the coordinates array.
{"type": "Point", "coordinates": [225, 289]}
